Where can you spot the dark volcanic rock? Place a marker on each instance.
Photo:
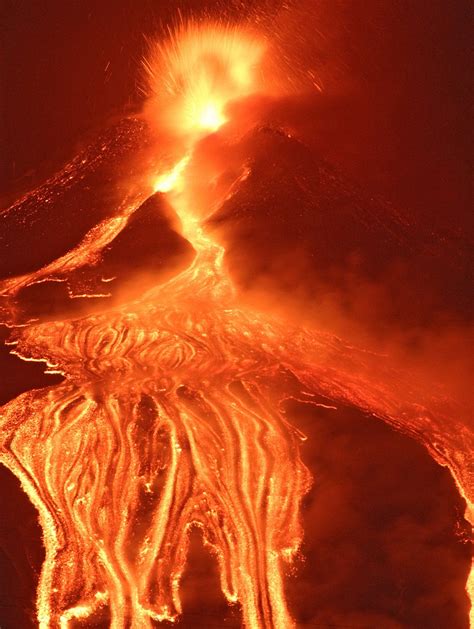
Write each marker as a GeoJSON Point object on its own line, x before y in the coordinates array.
{"type": "Point", "coordinates": [144, 253]}
{"type": "Point", "coordinates": [377, 552]}
{"type": "Point", "coordinates": [296, 225]}
{"type": "Point", "coordinates": [147, 245]}
{"type": "Point", "coordinates": [51, 220]}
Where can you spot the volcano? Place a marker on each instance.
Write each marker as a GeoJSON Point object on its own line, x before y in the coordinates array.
{"type": "Point", "coordinates": [181, 408]}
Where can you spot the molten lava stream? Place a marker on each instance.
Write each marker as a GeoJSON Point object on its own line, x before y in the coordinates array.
{"type": "Point", "coordinates": [122, 466]}
{"type": "Point", "coordinates": [168, 417]}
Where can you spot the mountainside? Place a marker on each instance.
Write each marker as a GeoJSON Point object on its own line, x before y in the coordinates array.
{"type": "Point", "coordinates": [296, 226]}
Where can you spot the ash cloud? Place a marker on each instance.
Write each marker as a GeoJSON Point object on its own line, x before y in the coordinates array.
{"type": "Point", "coordinates": [370, 535]}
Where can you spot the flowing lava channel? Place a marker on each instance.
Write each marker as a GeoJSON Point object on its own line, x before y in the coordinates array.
{"type": "Point", "coordinates": [169, 416]}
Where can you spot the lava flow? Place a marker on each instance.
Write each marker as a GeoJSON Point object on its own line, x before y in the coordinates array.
{"type": "Point", "coordinates": [169, 416]}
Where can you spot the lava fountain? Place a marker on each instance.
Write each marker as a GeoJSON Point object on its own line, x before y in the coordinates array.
{"type": "Point", "coordinates": [169, 416]}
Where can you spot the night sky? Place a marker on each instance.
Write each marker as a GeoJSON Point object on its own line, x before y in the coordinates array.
{"type": "Point", "coordinates": [394, 113]}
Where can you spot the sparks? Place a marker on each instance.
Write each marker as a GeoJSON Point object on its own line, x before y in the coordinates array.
{"type": "Point", "coordinates": [197, 72]}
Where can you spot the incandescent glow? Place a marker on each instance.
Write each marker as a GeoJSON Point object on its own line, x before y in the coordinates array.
{"type": "Point", "coordinates": [169, 417]}
{"type": "Point", "coordinates": [197, 72]}
{"type": "Point", "coordinates": [211, 117]}
{"type": "Point", "coordinates": [171, 179]}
